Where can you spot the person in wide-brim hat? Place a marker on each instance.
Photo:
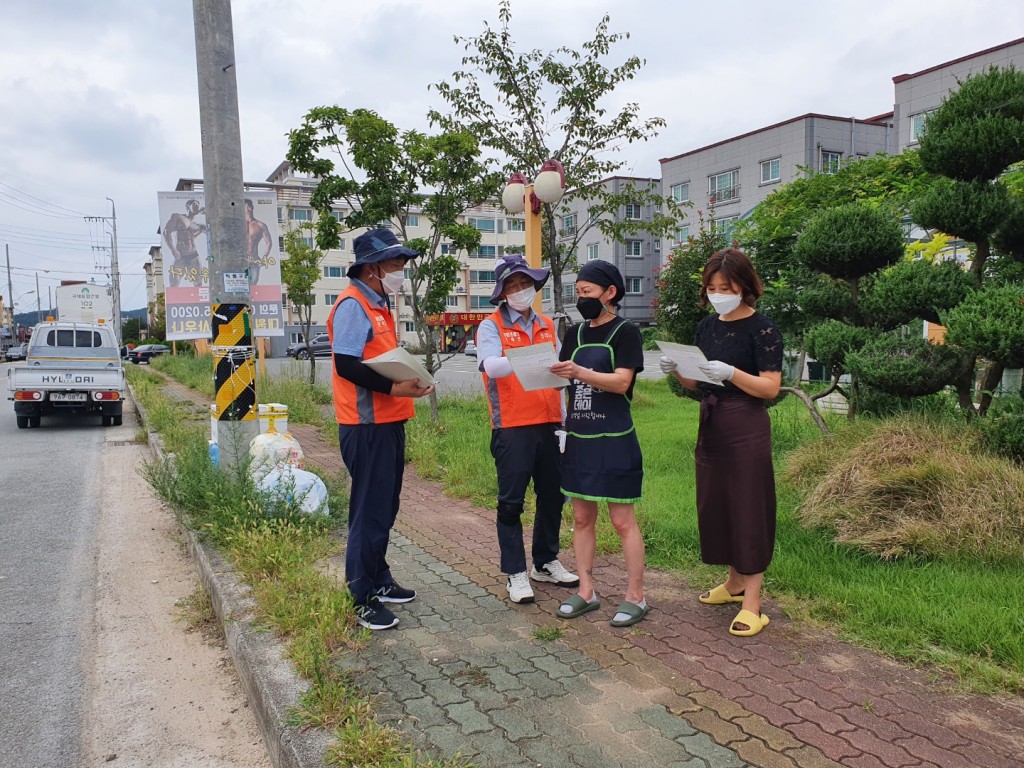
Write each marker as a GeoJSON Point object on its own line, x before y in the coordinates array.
{"type": "Point", "coordinates": [510, 265]}
{"type": "Point", "coordinates": [375, 246]}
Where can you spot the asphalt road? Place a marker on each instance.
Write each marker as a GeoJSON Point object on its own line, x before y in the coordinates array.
{"type": "Point", "coordinates": [47, 543]}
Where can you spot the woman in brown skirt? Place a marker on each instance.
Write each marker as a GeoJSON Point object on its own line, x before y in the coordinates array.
{"type": "Point", "coordinates": [735, 479]}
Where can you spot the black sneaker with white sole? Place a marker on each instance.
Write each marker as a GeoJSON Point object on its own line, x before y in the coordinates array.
{"type": "Point", "coordinates": [394, 593]}
{"type": "Point", "coordinates": [374, 615]}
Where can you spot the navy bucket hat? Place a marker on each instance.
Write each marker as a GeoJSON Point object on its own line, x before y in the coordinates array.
{"type": "Point", "coordinates": [378, 245]}
{"type": "Point", "coordinates": [511, 264]}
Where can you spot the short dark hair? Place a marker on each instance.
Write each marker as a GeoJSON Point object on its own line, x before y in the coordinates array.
{"type": "Point", "coordinates": [736, 267]}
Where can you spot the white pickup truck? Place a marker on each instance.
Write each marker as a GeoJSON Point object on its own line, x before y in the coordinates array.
{"type": "Point", "coordinates": [71, 368]}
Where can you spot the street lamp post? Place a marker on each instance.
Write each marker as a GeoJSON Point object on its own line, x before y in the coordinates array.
{"type": "Point", "coordinates": [520, 196]}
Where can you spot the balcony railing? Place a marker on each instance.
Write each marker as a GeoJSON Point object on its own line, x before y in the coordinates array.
{"type": "Point", "coordinates": [724, 194]}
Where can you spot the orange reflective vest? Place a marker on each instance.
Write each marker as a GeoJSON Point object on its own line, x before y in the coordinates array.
{"type": "Point", "coordinates": [509, 404]}
{"type": "Point", "coordinates": [356, 405]}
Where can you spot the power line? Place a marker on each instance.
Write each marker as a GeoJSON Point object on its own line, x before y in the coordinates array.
{"type": "Point", "coordinates": [39, 199]}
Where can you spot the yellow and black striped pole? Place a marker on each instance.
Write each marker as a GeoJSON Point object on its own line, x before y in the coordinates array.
{"type": "Point", "coordinates": [234, 372]}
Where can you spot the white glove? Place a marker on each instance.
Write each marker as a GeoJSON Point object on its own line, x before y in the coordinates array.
{"type": "Point", "coordinates": [668, 367]}
{"type": "Point", "coordinates": [717, 371]}
{"type": "Point", "coordinates": [497, 367]}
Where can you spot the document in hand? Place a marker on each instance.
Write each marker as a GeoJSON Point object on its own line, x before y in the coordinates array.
{"type": "Point", "coordinates": [398, 365]}
{"type": "Point", "coordinates": [531, 364]}
{"type": "Point", "coordinates": [687, 357]}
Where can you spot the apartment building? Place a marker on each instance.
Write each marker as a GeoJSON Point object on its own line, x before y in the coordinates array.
{"type": "Point", "coordinates": [154, 269]}
{"type": "Point", "coordinates": [736, 174]}
{"type": "Point", "coordinates": [638, 257]}
{"type": "Point", "coordinates": [918, 94]}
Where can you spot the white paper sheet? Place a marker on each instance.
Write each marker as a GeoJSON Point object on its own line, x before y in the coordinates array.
{"type": "Point", "coordinates": [688, 358]}
{"type": "Point", "coordinates": [530, 365]}
{"type": "Point", "coordinates": [398, 365]}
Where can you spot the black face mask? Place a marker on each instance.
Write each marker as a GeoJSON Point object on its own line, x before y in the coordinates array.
{"type": "Point", "coordinates": [590, 308]}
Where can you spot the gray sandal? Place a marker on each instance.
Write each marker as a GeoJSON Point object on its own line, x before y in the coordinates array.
{"type": "Point", "coordinates": [577, 606]}
{"type": "Point", "coordinates": [634, 613]}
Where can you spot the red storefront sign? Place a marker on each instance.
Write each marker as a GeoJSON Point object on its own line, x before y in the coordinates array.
{"type": "Point", "coordinates": [457, 318]}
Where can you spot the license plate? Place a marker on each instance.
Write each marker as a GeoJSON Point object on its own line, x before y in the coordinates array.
{"type": "Point", "coordinates": [68, 397]}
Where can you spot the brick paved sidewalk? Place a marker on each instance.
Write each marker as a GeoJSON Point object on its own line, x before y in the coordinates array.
{"type": "Point", "coordinates": [789, 697]}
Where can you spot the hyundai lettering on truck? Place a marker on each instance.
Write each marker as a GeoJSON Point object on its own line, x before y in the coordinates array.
{"type": "Point", "coordinates": [71, 369]}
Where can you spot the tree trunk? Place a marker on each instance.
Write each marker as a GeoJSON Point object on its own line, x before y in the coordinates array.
{"type": "Point", "coordinates": [811, 408]}
{"type": "Point", "coordinates": [965, 388]}
{"type": "Point", "coordinates": [981, 253]}
{"type": "Point", "coordinates": [991, 381]}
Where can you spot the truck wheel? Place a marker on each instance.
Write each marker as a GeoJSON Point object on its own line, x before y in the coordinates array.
{"type": "Point", "coordinates": [33, 421]}
{"type": "Point", "coordinates": [116, 420]}
{"type": "Point", "coordinates": [22, 421]}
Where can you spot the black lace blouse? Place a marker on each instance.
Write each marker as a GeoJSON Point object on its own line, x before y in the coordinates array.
{"type": "Point", "coordinates": [752, 344]}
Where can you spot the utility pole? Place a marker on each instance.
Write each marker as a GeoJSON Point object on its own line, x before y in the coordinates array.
{"type": "Point", "coordinates": [115, 275]}
{"type": "Point", "coordinates": [234, 371]}
{"type": "Point", "coordinates": [39, 302]}
{"type": "Point", "coordinates": [10, 293]}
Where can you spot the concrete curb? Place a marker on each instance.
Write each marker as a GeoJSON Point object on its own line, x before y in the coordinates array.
{"type": "Point", "coordinates": [271, 683]}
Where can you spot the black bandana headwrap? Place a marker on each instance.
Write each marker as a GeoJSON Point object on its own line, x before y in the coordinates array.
{"type": "Point", "coordinates": [604, 274]}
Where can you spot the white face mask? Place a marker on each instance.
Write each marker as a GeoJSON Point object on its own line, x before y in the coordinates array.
{"type": "Point", "coordinates": [392, 281]}
{"type": "Point", "coordinates": [724, 303]}
{"type": "Point", "coordinates": [521, 301]}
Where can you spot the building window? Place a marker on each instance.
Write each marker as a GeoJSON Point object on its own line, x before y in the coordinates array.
{"type": "Point", "coordinates": [308, 242]}
{"type": "Point", "coordinates": [480, 302]}
{"type": "Point", "coordinates": [410, 327]}
{"type": "Point", "coordinates": [545, 293]}
{"type": "Point", "coordinates": [482, 225]}
{"type": "Point", "coordinates": [484, 252]}
{"type": "Point", "coordinates": [481, 276]}
{"type": "Point", "coordinates": [294, 338]}
{"type": "Point", "coordinates": [830, 161]}
{"type": "Point", "coordinates": [330, 298]}
{"type": "Point", "coordinates": [771, 170]}
{"type": "Point", "coordinates": [300, 214]}
{"type": "Point", "coordinates": [917, 125]}
{"type": "Point", "coordinates": [723, 187]}
{"type": "Point", "coordinates": [634, 285]}
{"type": "Point", "coordinates": [634, 248]}
{"type": "Point", "coordinates": [683, 234]}
{"type": "Point", "coordinates": [632, 212]}
{"type": "Point", "coordinates": [332, 271]}
{"type": "Point", "coordinates": [681, 192]}
{"type": "Point", "coordinates": [453, 301]}
{"type": "Point", "coordinates": [516, 225]}
{"type": "Point", "coordinates": [726, 225]}
{"type": "Point", "coordinates": [568, 292]}
{"type": "Point", "coordinates": [412, 220]}
{"type": "Point", "coordinates": [569, 224]}
{"type": "Point", "coordinates": [592, 252]}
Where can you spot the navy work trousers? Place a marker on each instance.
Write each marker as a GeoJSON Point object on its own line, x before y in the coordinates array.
{"type": "Point", "coordinates": [521, 454]}
{"type": "Point", "coordinates": [375, 457]}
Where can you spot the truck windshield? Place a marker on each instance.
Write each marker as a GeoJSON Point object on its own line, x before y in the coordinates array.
{"type": "Point", "coordinates": [70, 338]}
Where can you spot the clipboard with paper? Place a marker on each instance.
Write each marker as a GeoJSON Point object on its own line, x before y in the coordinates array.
{"type": "Point", "coordinates": [531, 366]}
{"type": "Point", "coordinates": [398, 365]}
{"type": "Point", "coordinates": [688, 358]}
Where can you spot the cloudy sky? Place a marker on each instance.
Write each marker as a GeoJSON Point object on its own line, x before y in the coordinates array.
{"type": "Point", "coordinates": [99, 99]}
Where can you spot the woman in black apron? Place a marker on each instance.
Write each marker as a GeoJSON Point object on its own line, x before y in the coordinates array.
{"type": "Point", "coordinates": [735, 479]}
{"type": "Point", "coordinates": [602, 460]}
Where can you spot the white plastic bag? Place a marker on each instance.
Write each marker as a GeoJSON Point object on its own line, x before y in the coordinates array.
{"type": "Point", "coordinates": [286, 484]}
{"type": "Point", "coordinates": [271, 448]}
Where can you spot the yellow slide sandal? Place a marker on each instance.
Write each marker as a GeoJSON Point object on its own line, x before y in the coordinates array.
{"type": "Point", "coordinates": [752, 620]}
{"type": "Point", "coordinates": [720, 596]}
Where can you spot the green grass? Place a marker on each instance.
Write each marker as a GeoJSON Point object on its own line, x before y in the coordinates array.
{"type": "Point", "coordinates": [964, 616]}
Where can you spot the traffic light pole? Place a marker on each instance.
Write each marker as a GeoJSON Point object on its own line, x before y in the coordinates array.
{"type": "Point", "coordinates": [234, 370]}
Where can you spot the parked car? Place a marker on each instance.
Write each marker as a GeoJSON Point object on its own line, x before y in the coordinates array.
{"type": "Point", "coordinates": [470, 348]}
{"type": "Point", "coordinates": [16, 352]}
{"type": "Point", "coordinates": [320, 344]}
{"type": "Point", "coordinates": [146, 352]}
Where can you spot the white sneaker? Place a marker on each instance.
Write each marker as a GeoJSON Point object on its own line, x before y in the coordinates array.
{"type": "Point", "coordinates": [555, 573]}
{"type": "Point", "coordinates": [519, 590]}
